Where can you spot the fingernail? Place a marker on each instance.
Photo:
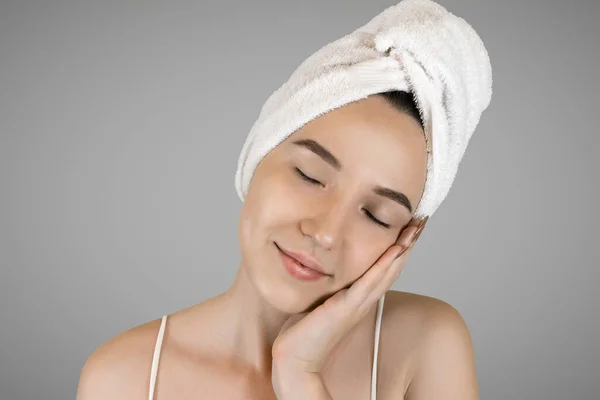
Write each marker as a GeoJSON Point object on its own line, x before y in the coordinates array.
{"type": "Point", "coordinates": [417, 234]}
{"type": "Point", "coordinates": [420, 229]}
{"type": "Point", "coordinates": [400, 253]}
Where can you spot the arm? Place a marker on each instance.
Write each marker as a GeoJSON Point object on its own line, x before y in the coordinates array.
{"type": "Point", "coordinates": [445, 366]}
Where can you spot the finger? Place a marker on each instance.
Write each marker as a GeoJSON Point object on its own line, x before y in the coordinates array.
{"type": "Point", "coordinates": [378, 278]}
{"type": "Point", "coordinates": [362, 292]}
{"type": "Point", "coordinates": [398, 264]}
{"type": "Point", "coordinates": [411, 231]}
{"type": "Point", "coordinates": [394, 271]}
{"type": "Point", "coordinates": [391, 275]}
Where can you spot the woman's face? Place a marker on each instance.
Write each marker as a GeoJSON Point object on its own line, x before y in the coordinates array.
{"type": "Point", "coordinates": [364, 166]}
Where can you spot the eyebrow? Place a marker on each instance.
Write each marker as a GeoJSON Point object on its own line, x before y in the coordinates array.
{"type": "Point", "coordinates": [330, 159]}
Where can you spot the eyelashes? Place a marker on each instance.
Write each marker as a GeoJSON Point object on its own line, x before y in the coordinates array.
{"type": "Point", "coordinates": [307, 178]}
{"type": "Point", "coordinates": [378, 222]}
{"type": "Point", "coordinates": [312, 181]}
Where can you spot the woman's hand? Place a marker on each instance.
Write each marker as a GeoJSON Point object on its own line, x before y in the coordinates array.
{"type": "Point", "coordinates": [306, 339]}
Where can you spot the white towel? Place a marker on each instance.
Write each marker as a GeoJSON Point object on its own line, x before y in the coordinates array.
{"type": "Point", "coordinates": [415, 46]}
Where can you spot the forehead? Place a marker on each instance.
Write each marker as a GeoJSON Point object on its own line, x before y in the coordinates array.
{"type": "Point", "coordinates": [368, 133]}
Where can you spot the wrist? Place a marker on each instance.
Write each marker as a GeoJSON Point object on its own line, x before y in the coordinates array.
{"type": "Point", "coordinates": [302, 386]}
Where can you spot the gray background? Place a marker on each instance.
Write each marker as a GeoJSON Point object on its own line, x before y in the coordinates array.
{"type": "Point", "coordinates": [120, 128]}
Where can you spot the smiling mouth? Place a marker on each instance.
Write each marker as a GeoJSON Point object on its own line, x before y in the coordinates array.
{"type": "Point", "coordinates": [298, 270]}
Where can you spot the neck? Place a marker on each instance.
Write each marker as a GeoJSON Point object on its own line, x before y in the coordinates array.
{"type": "Point", "coordinates": [250, 323]}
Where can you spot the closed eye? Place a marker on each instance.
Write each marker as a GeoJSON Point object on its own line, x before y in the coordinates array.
{"type": "Point", "coordinates": [378, 222]}
{"type": "Point", "coordinates": [310, 180]}
{"type": "Point", "coordinates": [307, 178]}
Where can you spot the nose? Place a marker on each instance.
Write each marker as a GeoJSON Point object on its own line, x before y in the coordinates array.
{"type": "Point", "coordinates": [326, 224]}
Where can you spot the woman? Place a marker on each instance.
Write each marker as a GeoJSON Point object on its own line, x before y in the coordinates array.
{"type": "Point", "coordinates": [337, 184]}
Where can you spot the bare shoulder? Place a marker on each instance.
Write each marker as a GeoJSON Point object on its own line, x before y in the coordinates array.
{"type": "Point", "coordinates": [426, 312]}
{"type": "Point", "coordinates": [411, 321]}
{"type": "Point", "coordinates": [434, 340]}
{"type": "Point", "coordinates": [120, 368]}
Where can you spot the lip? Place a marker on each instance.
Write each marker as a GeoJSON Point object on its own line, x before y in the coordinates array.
{"type": "Point", "coordinates": [295, 265]}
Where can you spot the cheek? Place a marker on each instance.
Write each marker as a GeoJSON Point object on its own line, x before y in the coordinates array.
{"type": "Point", "coordinates": [272, 201]}
{"type": "Point", "coordinates": [359, 258]}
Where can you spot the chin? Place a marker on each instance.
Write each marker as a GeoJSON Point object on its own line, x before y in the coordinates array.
{"type": "Point", "coordinates": [283, 298]}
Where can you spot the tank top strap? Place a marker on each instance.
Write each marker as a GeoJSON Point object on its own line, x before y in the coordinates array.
{"type": "Point", "coordinates": [161, 333]}
{"type": "Point", "coordinates": [376, 347]}
{"type": "Point", "coordinates": [156, 357]}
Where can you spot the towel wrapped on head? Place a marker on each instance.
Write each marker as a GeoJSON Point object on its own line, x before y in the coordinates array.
{"type": "Point", "coordinates": [415, 46]}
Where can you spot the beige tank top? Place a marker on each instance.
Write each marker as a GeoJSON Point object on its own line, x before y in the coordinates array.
{"type": "Point", "coordinates": [161, 333]}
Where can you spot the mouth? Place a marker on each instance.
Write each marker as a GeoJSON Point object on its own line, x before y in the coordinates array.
{"type": "Point", "coordinates": [298, 269]}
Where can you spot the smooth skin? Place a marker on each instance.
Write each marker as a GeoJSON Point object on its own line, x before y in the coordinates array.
{"type": "Point", "coordinates": [301, 348]}
{"type": "Point", "coordinates": [271, 336]}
